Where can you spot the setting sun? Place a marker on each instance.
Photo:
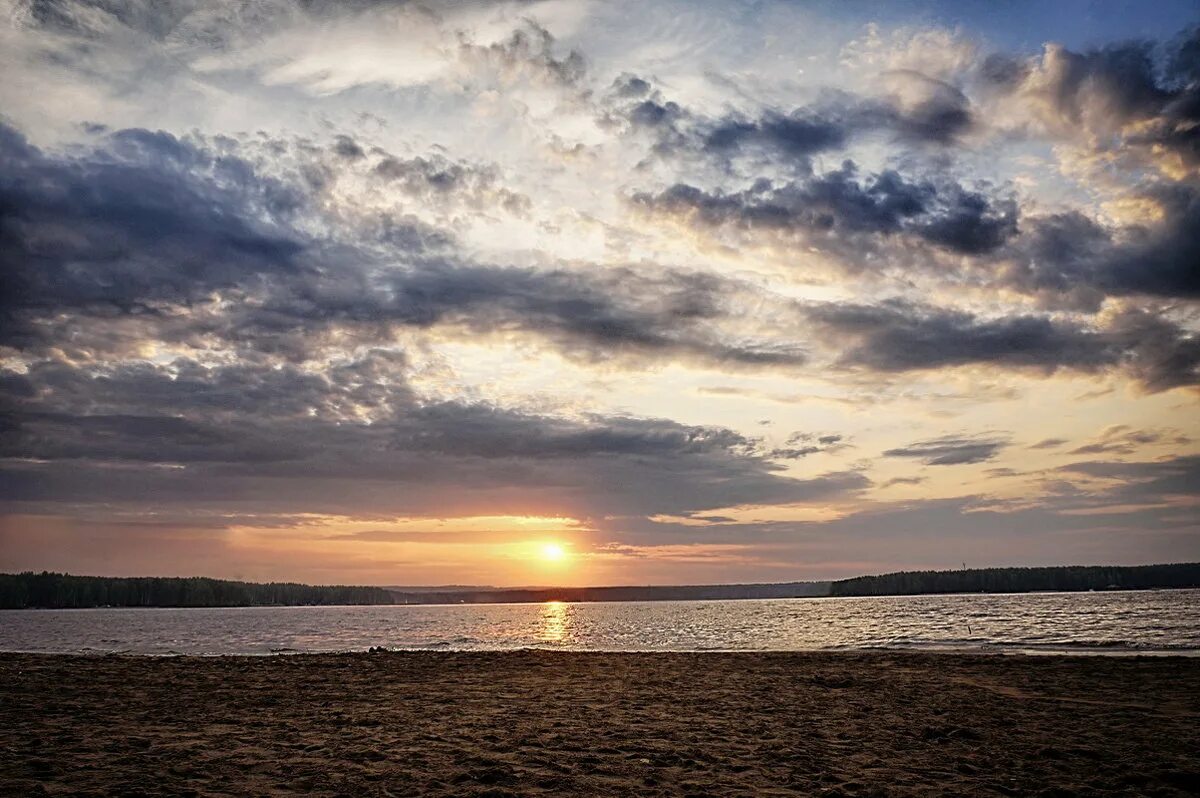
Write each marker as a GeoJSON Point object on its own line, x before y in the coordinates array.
{"type": "Point", "coordinates": [553, 552]}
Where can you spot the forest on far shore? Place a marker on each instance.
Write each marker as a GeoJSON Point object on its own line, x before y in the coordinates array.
{"type": "Point", "coordinates": [1064, 578]}
{"type": "Point", "coordinates": [63, 591]}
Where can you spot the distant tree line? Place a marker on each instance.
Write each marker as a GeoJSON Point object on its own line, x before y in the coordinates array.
{"type": "Point", "coordinates": [627, 593]}
{"type": "Point", "coordinates": [53, 590]}
{"type": "Point", "coordinates": [1023, 580]}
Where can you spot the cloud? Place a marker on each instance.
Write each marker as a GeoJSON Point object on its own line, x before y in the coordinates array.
{"type": "Point", "coordinates": [927, 109]}
{"type": "Point", "coordinates": [1145, 480]}
{"type": "Point", "coordinates": [1123, 439]}
{"type": "Point", "coordinates": [904, 481]}
{"type": "Point", "coordinates": [898, 336]}
{"type": "Point", "coordinates": [339, 47]}
{"type": "Point", "coordinates": [951, 450]}
{"type": "Point", "coordinates": [1132, 95]}
{"type": "Point", "coordinates": [802, 444]}
{"type": "Point", "coordinates": [346, 147]}
{"type": "Point", "coordinates": [786, 139]}
{"type": "Point", "coordinates": [434, 178]}
{"type": "Point", "coordinates": [1073, 259]}
{"type": "Point", "coordinates": [161, 228]}
{"type": "Point", "coordinates": [354, 438]}
{"type": "Point", "coordinates": [1123, 98]}
{"type": "Point", "coordinates": [839, 205]}
{"type": "Point", "coordinates": [677, 314]}
{"type": "Point", "coordinates": [150, 218]}
{"type": "Point", "coordinates": [1163, 355]}
{"type": "Point", "coordinates": [914, 110]}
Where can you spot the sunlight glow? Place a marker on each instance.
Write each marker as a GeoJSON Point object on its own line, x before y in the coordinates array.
{"type": "Point", "coordinates": [553, 552]}
{"type": "Point", "coordinates": [556, 622]}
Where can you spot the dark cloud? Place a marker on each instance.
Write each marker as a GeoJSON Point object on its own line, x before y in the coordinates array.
{"type": "Point", "coordinates": [1129, 97]}
{"type": "Point", "coordinates": [152, 237]}
{"type": "Point", "coordinates": [1121, 75]}
{"type": "Point", "coordinates": [951, 450]}
{"type": "Point", "coordinates": [1145, 481]}
{"type": "Point", "coordinates": [635, 107]}
{"type": "Point", "coordinates": [354, 438]}
{"type": "Point", "coordinates": [1131, 100]}
{"type": "Point", "coordinates": [1098, 448]}
{"type": "Point", "coordinates": [794, 452]}
{"type": "Point", "coordinates": [1123, 439]}
{"type": "Point", "coordinates": [1161, 354]}
{"type": "Point", "coordinates": [904, 481]}
{"type": "Point", "coordinates": [1003, 70]}
{"type": "Point", "coordinates": [1070, 256]}
{"type": "Point", "coordinates": [653, 114]}
{"type": "Point", "coordinates": [899, 336]}
{"type": "Point", "coordinates": [155, 227]}
{"type": "Point", "coordinates": [614, 313]}
{"type": "Point", "coordinates": [149, 219]}
{"type": "Point", "coordinates": [802, 444]}
{"type": "Point", "coordinates": [434, 178]}
{"type": "Point", "coordinates": [922, 110]}
{"type": "Point", "coordinates": [1158, 260]}
{"type": "Point", "coordinates": [796, 135]}
{"type": "Point", "coordinates": [346, 147]}
{"type": "Point", "coordinates": [630, 86]}
{"type": "Point", "coordinates": [938, 113]}
{"type": "Point", "coordinates": [1048, 443]}
{"type": "Point", "coordinates": [839, 203]}
{"type": "Point", "coordinates": [94, 18]}
{"type": "Point", "coordinates": [1135, 94]}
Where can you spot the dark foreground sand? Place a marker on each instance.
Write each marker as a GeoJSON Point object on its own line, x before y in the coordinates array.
{"type": "Point", "coordinates": [541, 723]}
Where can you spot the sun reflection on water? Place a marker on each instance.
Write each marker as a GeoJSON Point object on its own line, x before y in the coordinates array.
{"type": "Point", "coordinates": [555, 622]}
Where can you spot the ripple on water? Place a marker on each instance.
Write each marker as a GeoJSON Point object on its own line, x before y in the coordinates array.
{"type": "Point", "coordinates": [1137, 622]}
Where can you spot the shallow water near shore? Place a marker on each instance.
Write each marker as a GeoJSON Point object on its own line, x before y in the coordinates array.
{"type": "Point", "coordinates": [1115, 622]}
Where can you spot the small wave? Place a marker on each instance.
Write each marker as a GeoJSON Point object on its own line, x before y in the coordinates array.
{"type": "Point", "coordinates": [1028, 646]}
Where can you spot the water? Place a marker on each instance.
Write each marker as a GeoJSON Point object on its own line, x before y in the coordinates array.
{"type": "Point", "coordinates": [1143, 622]}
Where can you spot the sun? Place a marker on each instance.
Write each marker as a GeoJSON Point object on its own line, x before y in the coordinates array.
{"type": "Point", "coordinates": [553, 552]}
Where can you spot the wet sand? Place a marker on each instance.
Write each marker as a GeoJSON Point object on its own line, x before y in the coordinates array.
{"type": "Point", "coordinates": [549, 723]}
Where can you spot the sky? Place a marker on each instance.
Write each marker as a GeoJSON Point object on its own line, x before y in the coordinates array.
{"type": "Point", "coordinates": [586, 293]}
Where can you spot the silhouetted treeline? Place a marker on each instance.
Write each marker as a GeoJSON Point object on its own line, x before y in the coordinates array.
{"type": "Point", "coordinates": [1023, 580]}
{"type": "Point", "coordinates": [51, 590]}
{"type": "Point", "coordinates": [625, 593]}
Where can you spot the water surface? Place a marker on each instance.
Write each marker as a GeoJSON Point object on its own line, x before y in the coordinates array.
{"type": "Point", "coordinates": [1110, 622]}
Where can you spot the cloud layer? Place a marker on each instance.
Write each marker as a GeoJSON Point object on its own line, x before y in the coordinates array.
{"type": "Point", "coordinates": [267, 270]}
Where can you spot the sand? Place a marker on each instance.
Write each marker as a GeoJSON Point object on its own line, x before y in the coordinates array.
{"type": "Point", "coordinates": [549, 723]}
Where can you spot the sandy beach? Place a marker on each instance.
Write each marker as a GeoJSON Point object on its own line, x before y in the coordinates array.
{"type": "Point", "coordinates": [547, 723]}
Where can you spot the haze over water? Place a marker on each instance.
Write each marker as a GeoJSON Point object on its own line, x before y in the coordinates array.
{"type": "Point", "coordinates": [1119, 622]}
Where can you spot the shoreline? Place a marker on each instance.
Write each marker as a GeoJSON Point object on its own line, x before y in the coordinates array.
{"type": "Point", "coordinates": [535, 722]}
{"type": "Point", "coordinates": [418, 604]}
{"type": "Point", "coordinates": [1082, 652]}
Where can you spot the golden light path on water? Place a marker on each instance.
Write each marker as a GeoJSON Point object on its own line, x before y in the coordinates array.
{"type": "Point", "coordinates": [556, 622]}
